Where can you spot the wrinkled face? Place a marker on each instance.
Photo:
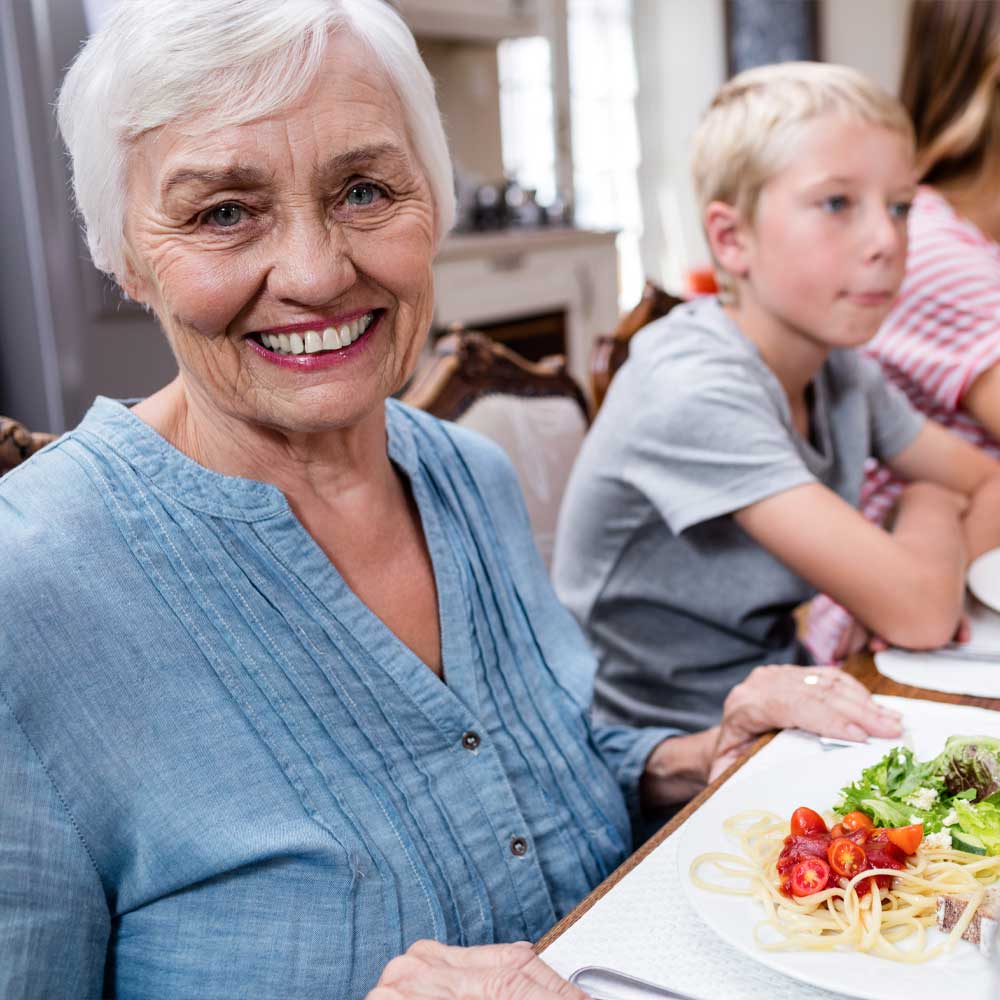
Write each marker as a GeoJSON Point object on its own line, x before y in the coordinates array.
{"type": "Point", "coordinates": [827, 249]}
{"type": "Point", "coordinates": [289, 259]}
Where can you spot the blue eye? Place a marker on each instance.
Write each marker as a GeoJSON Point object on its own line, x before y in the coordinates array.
{"type": "Point", "coordinates": [836, 203]}
{"type": "Point", "coordinates": [900, 209]}
{"type": "Point", "coordinates": [363, 194]}
{"type": "Point", "coordinates": [227, 215]}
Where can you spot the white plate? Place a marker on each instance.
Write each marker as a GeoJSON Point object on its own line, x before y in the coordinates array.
{"type": "Point", "coordinates": [983, 578]}
{"type": "Point", "coordinates": [964, 973]}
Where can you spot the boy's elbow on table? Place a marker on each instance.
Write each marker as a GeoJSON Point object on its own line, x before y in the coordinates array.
{"type": "Point", "coordinates": [924, 615]}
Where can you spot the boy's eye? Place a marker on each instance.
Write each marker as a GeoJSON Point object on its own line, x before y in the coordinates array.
{"type": "Point", "coordinates": [226, 215]}
{"type": "Point", "coordinates": [836, 203]}
{"type": "Point", "coordinates": [900, 209]}
{"type": "Point", "coordinates": [363, 194]}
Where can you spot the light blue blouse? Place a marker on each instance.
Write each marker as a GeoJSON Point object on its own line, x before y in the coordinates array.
{"type": "Point", "coordinates": [222, 776]}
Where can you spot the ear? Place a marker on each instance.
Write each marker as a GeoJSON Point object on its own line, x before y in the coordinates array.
{"type": "Point", "coordinates": [132, 282]}
{"type": "Point", "coordinates": [728, 238]}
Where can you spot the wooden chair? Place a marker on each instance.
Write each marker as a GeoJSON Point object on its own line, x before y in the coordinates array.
{"type": "Point", "coordinates": [535, 411]}
{"type": "Point", "coordinates": [18, 443]}
{"type": "Point", "coordinates": [611, 349]}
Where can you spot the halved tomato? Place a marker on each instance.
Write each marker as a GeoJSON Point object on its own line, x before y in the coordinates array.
{"type": "Point", "coordinates": [809, 876]}
{"type": "Point", "coordinates": [857, 821]}
{"type": "Point", "coordinates": [806, 821]}
{"type": "Point", "coordinates": [906, 838]}
{"type": "Point", "coordinates": [846, 858]}
{"type": "Point", "coordinates": [837, 830]}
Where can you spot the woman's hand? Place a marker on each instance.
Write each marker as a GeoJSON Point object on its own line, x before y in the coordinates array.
{"type": "Point", "coordinates": [822, 700]}
{"type": "Point", "coordinates": [432, 971]}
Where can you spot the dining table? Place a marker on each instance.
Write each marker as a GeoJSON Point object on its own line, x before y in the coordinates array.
{"type": "Point", "coordinates": [862, 666]}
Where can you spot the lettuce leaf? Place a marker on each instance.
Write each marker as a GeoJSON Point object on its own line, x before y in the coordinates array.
{"type": "Point", "coordinates": [981, 819]}
{"type": "Point", "coordinates": [970, 762]}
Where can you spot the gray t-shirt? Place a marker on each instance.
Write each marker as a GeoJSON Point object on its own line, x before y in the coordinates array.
{"type": "Point", "coordinates": [679, 603]}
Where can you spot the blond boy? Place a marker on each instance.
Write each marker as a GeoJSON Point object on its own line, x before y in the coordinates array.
{"type": "Point", "coordinates": [718, 488]}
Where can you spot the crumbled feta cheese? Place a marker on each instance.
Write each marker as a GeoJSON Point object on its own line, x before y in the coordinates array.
{"type": "Point", "coordinates": [915, 819]}
{"type": "Point", "coordinates": [902, 758]}
{"type": "Point", "coordinates": [942, 839]}
{"type": "Point", "coordinates": [951, 819]}
{"type": "Point", "coordinates": [922, 798]}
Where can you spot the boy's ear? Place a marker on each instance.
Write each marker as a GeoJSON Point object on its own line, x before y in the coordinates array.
{"type": "Point", "coordinates": [727, 238]}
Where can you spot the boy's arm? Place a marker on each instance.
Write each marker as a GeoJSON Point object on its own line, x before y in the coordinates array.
{"type": "Point", "coordinates": [938, 456]}
{"type": "Point", "coordinates": [906, 586]}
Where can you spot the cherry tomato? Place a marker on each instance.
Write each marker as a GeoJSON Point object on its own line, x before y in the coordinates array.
{"type": "Point", "coordinates": [906, 838]}
{"type": "Point", "coordinates": [838, 830]}
{"type": "Point", "coordinates": [846, 858]}
{"type": "Point", "coordinates": [806, 821]}
{"type": "Point", "coordinates": [809, 876]}
{"type": "Point", "coordinates": [857, 821]}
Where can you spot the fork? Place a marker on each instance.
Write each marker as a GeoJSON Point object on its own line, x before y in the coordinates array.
{"type": "Point", "coordinates": [592, 977]}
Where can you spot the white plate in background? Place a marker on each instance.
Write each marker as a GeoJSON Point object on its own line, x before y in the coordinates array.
{"type": "Point", "coordinates": [983, 578]}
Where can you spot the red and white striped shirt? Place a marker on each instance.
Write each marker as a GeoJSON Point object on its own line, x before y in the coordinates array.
{"type": "Point", "coordinates": [942, 334]}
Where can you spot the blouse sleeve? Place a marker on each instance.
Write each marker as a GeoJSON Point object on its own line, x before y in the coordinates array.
{"type": "Point", "coordinates": [54, 919]}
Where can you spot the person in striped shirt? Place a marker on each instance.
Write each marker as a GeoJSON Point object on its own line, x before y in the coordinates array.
{"type": "Point", "coordinates": [940, 343]}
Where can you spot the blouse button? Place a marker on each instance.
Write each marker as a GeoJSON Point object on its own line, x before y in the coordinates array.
{"type": "Point", "coordinates": [470, 740]}
{"type": "Point", "coordinates": [518, 846]}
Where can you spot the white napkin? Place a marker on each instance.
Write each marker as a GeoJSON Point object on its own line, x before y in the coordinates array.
{"type": "Point", "coordinates": [646, 928]}
{"type": "Point", "coordinates": [976, 673]}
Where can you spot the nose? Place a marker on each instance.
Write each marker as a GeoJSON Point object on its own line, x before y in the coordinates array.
{"type": "Point", "coordinates": [886, 236]}
{"type": "Point", "coordinates": [310, 263]}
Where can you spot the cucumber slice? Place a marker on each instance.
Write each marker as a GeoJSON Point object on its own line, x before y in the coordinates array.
{"type": "Point", "coordinates": [963, 841]}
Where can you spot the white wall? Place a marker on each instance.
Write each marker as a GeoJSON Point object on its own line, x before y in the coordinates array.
{"type": "Point", "coordinates": [681, 62]}
{"type": "Point", "coordinates": [866, 34]}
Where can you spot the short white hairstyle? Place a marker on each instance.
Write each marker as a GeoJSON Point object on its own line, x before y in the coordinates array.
{"type": "Point", "coordinates": [155, 62]}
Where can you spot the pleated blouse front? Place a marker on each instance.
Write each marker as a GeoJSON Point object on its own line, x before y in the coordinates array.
{"type": "Point", "coordinates": [241, 783]}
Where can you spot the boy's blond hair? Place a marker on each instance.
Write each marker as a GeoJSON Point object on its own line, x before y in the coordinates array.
{"type": "Point", "coordinates": [748, 132]}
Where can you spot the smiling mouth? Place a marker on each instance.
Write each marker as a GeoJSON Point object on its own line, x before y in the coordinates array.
{"type": "Point", "coordinates": [330, 338]}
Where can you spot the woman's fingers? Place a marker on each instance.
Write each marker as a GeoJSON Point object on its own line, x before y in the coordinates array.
{"type": "Point", "coordinates": [822, 700]}
{"type": "Point", "coordinates": [839, 705]}
{"type": "Point", "coordinates": [433, 971]}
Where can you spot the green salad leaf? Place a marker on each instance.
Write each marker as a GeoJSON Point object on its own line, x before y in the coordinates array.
{"type": "Point", "coordinates": [981, 820]}
{"type": "Point", "coordinates": [959, 790]}
{"type": "Point", "coordinates": [970, 762]}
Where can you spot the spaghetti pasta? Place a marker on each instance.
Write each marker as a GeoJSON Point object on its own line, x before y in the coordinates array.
{"type": "Point", "coordinates": [892, 923]}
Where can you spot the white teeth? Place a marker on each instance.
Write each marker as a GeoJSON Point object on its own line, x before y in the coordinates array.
{"type": "Point", "coordinates": [311, 341]}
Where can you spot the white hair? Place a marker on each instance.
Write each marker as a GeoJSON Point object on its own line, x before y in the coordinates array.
{"type": "Point", "coordinates": [159, 61]}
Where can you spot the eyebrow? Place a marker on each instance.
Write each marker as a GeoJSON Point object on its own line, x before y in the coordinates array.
{"type": "Point", "coordinates": [361, 156]}
{"type": "Point", "coordinates": [249, 177]}
{"type": "Point", "coordinates": [848, 179]}
{"type": "Point", "coordinates": [234, 177]}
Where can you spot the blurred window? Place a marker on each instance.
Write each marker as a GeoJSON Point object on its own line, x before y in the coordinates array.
{"type": "Point", "coordinates": [603, 87]}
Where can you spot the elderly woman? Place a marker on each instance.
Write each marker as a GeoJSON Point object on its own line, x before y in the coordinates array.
{"type": "Point", "coordinates": [283, 686]}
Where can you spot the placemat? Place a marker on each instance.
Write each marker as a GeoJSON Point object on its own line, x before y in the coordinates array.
{"type": "Point", "coordinates": [946, 670]}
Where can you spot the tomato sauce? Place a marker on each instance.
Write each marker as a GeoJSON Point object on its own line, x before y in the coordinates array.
{"type": "Point", "coordinates": [878, 853]}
